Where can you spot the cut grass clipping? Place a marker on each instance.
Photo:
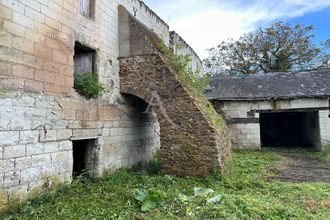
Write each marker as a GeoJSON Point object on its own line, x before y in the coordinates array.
{"type": "Point", "coordinates": [243, 192]}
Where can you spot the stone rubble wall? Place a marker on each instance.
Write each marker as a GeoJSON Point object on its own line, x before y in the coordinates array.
{"type": "Point", "coordinates": [247, 135]}
{"type": "Point", "coordinates": [190, 145]}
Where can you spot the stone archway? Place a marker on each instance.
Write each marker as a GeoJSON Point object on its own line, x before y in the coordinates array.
{"type": "Point", "coordinates": [190, 145]}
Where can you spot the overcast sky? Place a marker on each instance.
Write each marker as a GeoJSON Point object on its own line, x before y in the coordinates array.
{"type": "Point", "coordinates": [204, 23]}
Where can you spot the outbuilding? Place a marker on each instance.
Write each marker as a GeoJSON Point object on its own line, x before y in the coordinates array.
{"type": "Point", "coordinates": [275, 109]}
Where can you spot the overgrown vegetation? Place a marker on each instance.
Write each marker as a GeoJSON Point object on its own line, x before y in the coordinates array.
{"type": "Point", "coordinates": [87, 85]}
{"type": "Point", "coordinates": [194, 81]}
{"type": "Point", "coordinates": [243, 192]}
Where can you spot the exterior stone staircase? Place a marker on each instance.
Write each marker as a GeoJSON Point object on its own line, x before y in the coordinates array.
{"type": "Point", "coordinates": [190, 145]}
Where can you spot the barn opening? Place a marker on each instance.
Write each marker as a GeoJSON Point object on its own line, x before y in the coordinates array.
{"type": "Point", "coordinates": [83, 156]}
{"type": "Point", "coordinates": [290, 129]}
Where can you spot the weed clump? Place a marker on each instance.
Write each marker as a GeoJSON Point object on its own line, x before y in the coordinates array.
{"type": "Point", "coordinates": [87, 85]}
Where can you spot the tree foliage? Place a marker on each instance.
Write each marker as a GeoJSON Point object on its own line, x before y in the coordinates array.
{"type": "Point", "coordinates": [280, 47]}
{"type": "Point", "coordinates": [325, 54]}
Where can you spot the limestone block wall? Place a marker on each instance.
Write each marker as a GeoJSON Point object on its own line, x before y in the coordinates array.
{"type": "Point", "coordinates": [40, 112]}
{"type": "Point", "coordinates": [325, 128]}
{"type": "Point", "coordinates": [38, 37]}
{"type": "Point", "coordinates": [246, 135]}
{"type": "Point", "coordinates": [36, 132]}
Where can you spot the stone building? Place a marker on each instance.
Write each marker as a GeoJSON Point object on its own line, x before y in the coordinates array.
{"type": "Point", "coordinates": [280, 109]}
{"type": "Point", "coordinates": [48, 131]}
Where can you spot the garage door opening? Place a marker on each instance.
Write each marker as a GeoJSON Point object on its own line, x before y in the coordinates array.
{"type": "Point", "coordinates": [290, 129]}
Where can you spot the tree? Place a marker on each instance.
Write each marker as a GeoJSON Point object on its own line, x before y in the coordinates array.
{"type": "Point", "coordinates": [325, 55]}
{"type": "Point", "coordinates": [277, 48]}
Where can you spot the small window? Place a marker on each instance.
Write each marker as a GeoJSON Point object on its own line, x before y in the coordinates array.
{"type": "Point", "coordinates": [84, 59]}
{"type": "Point", "coordinates": [87, 8]}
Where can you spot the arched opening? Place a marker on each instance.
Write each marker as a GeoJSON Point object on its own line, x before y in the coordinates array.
{"type": "Point", "coordinates": [139, 104]}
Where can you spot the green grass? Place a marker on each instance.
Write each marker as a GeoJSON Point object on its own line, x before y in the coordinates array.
{"type": "Point", "coordinates": [243, 191]}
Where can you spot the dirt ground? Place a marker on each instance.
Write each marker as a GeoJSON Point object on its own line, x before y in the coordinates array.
{"type": "Point", "coordinates": [298, 167]}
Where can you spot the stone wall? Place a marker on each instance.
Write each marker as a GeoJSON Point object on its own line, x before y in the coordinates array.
{"type": "Point", "coordinates": [244, 125]}
{"type": "Point", "coordinates": [186, 149]}
{"type": "Point", "coordinates": [180, 46]}
{"type": "Point", "coordinates": [36, 132]}
{"type": "Point", "coordinates": [190, 144]}
{"type": "Point", "coordinates": [325, 129]}
{"type": "Point", "coordinates": [41, 112]}
{"type": "Point", "coordinates": [38, 38]}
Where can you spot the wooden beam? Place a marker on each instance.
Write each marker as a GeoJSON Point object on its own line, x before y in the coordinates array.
{"type": "Point", "coordinates": [242, 121]}
{"type": "Point", "coordinates": [292, 110]}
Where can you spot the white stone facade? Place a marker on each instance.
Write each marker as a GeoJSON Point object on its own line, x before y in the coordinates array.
{"type": "Point", "coordinates": [246, 135]}
{"type": "Point", "coordinates": [40, 113]}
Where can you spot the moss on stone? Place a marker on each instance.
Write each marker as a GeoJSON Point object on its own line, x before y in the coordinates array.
{"type": "Point", "coordinates": [194, 82]}
{"type": "Point", "coordinates": [3, 199]}
{"type": "Point", "coordinates": [3, 92]}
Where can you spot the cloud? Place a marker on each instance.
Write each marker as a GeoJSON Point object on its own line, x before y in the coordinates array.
{"type": "Point", "coordinates": [205, 23]}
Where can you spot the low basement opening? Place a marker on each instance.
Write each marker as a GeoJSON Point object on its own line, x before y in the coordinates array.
{"type": "Point", "coordinates": [83, 156]}
{"type": "Point", "coordinates": [290, 129]}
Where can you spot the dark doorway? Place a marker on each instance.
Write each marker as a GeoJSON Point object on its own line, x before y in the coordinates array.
{"type": "Point", "coordinates": [84, 59]}
{"type": "Point", "coordinates": [82, 156]}
{"type": "Point", "coordinates": [290, 129]}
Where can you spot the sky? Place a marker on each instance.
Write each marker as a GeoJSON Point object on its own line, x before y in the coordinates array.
{"type": "Point", "coordinates": [205, 23]}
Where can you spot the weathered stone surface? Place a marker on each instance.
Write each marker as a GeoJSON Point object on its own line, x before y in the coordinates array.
{"type": "Point", "coordinates": [9, 137]}
{"type": "Point", "coordinates": [28, 137]}
{"type": "Point", "coordinates": [244, 127]}
{"type": "Point", "coordinates": [41, 112]}
{"type": "Point", "coordinates": [190, 145]}
{"type": "Point", "coordinates": [13, 151]}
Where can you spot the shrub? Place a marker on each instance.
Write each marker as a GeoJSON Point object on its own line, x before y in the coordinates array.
{"type": "Point", "coordinates": [87, 85]}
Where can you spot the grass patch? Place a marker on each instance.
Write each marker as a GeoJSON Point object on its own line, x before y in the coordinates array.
{"type": "Point", "coordinates": [241, 193]}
